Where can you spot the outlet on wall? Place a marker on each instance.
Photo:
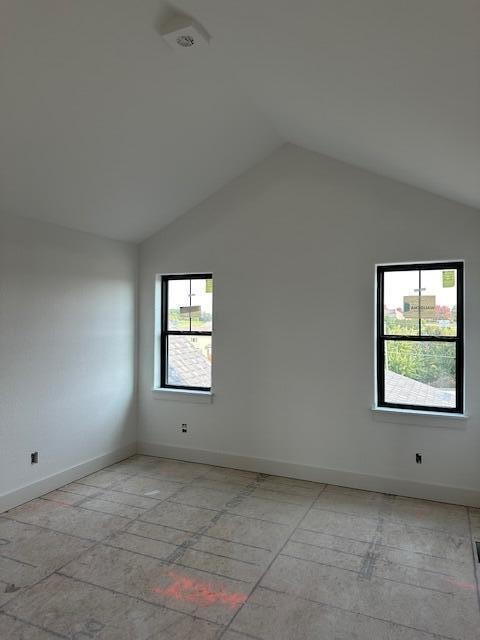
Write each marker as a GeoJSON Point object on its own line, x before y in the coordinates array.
{"type": "Point", "coordinates": [184, 427]}
{"type": "Point", "coordinates": [418, 458]}
{"type": "Point", "coordinates": [34, 457]}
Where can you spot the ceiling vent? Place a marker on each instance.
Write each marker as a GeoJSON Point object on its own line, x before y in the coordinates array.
{"type": "Point", "coordinates": [183, 34]}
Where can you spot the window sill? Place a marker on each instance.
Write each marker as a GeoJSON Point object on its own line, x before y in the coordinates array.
{"type": "Point", "coordinates": [180, 395]}
{"type": "Point", "coordinates": [414, 416]}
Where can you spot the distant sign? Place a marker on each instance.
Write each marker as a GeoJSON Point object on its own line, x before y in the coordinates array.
{"type": "Point", "coordinates": [415, 307]}
{"type": "Point", "coordinates": [448, 278]}
{"type": "Point", "coordinates": [192, 312]}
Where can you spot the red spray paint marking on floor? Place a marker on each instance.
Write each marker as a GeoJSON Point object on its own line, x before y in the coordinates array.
{"type": "Point", "coordinates": [197, 592]}
{"type": "Point", "coordinates": [462, 585]}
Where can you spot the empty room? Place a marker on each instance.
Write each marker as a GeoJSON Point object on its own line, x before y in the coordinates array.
{"type": "Point", "coordinates": [239, 320]}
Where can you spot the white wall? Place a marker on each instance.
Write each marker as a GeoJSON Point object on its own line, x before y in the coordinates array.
{"type": "Point", "coordinates": [292, 245]}
{"type": "Point", "coordinates": [67, 349]}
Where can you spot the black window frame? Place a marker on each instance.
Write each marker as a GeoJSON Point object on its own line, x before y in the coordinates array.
{"type": "Point", "coordinates": [165, 332]}
{"type": "Point", "coordinates": [381, 337]}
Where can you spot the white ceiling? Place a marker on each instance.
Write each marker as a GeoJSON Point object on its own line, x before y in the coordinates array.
{"type": "Point", "coordinates": [104, 128]}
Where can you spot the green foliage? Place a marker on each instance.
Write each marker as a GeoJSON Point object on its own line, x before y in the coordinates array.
{"type": "Point", "coordinates": [428, 362]}
{"type": "Point", "coordinates": [409, 327]}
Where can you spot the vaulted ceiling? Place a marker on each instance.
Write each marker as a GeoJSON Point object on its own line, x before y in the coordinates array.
{"type": "Point", "coordinates": [104, 128]}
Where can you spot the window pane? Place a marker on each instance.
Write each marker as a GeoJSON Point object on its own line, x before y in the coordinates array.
{"type": "Point", "coordinates": [190, 304]}
{"type": "Point", "coordinates": [179, 305]}
{"type": "Point", "coordinates": [420, 373]}
{"type": "Point", "coordinates": [439, 302]}
{"type": "Point", "coordinates": [189, 361]}
{"type": "Point", "coordinates": [400, 299]}
{"type": "Point", "coordinates": [201, 301]}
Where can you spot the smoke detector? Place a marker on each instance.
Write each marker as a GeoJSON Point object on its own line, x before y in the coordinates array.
{"type": "Point", "coordinates": [183, 34]}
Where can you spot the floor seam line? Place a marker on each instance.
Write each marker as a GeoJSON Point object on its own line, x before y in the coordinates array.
{"type": "Point", "coordinates": [276, 555]}
{"type": "Point", "coordinates": [415, 526]}
{"type": "Point", "coordinates": [407, 584]}
{"type": "Point", "coordinates": [364, 615]}
{"type": "Point", "coordinates": [387, 546]}
{"type": "Point", "coordinates": [128, 595]}
{"type": "Point", "coordinates": [205, 535]}
{"type": "Point", "coordinates": [33, 625]}
{"type": "Point", "coordinates": [232, 513]}
{"type": "Point", "coordinates": [167, 562]}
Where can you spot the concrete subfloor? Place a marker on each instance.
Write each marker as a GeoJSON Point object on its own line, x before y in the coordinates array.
{"type": "Point", "coordinates": [158, 549]}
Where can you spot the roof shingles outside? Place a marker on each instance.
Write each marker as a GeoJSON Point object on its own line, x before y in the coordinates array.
{"type": "Point", "coordinates": [187, 366]}
{"type": "Point", "coordinates": [402, 390]}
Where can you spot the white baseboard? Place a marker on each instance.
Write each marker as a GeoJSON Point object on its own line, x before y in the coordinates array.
{"type": "Point", "coordinates": [396, 486]}
{"type": "Point", "coordinates": [50, 483]}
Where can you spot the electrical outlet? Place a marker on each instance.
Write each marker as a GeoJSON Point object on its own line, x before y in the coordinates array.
{"type": "Point", "coordinates": [184, 427]}
{"type": "Point", "coordinates": [34, 457]}
{"type": "Point", "coordinates": [418, 458]}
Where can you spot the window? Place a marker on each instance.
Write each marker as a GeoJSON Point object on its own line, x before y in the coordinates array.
{"type": "Point", "coordinates": [420, 336]}
{"type": "Point", "coordinates": [186, 332]}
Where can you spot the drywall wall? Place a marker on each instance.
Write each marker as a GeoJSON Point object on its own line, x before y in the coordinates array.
{"type": "Point", "coordinates": [67, 351]}
{"type": "Point", "coordinates": [292, 245]}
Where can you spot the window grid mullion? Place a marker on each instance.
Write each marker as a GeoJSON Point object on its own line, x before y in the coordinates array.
{"type": "Point", "coordinates": [398, 336]}
{"type": "Point", "coordinates": [171, 332]}
{"type": "Point", "coordinates": [190, 301]}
